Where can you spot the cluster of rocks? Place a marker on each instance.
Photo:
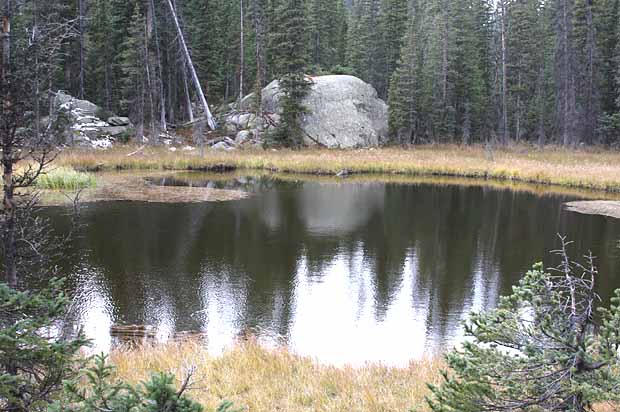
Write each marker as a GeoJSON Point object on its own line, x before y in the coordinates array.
{"type": "Point", "coordinates": [81, 125]}
{"type": "Point", "coordinates": [342, 112]}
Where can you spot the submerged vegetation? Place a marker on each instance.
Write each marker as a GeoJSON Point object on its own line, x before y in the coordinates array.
{"type": "Point", "coordinates": [585, 169]}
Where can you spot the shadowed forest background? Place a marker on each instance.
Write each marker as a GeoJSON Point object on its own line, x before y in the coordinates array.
{"type": "Point", "coordinates": [452, 70]}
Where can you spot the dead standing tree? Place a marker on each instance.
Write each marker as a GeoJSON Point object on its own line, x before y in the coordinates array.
{"type": "Point", "coordinates": [188, 59]}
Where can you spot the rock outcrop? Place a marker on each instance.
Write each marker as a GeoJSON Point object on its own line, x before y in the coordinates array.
{"type": "Point", "coordinates": [81, 125]}
{"type": "Point", "coordinates": [343, 112]}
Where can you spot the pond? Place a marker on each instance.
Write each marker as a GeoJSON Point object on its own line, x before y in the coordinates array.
{"type": "Point", "coordinates": [343, 271]}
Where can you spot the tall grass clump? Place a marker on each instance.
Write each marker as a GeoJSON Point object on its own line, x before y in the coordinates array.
{"type": "Point", "coordinates": [64, 178]}
{"type": "Point", "coordinates": [260, 379]}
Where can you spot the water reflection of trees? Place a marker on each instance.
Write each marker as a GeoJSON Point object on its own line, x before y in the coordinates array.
{"type": "Point", "coordinates": [468, 245]}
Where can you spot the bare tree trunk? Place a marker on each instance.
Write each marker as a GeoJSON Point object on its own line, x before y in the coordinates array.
{"type": "Point", "coordinates": [258, 23]}
{"type": "Point", "coordinates": [242, 56]}
{"type": "Point", "coordinates": [82, 29]}
{"type": "Point", "coordinates": [6, 40]}
{"type": "Point", "coordinates": [8, 132]}
{"type": "Point", "coordinates": [171, 87]}
{"type": "Point", "coordinates": [590, 91]}
{"type": "Point", "coordinates": [37, 92]}
{"type": "Point", "coordinates": [566, 75]}
{"type": "Point", "coordinates": [188, 100]}
{"type": "Point", "coordinates": [162, 95]}
{"type": "Point", "coordinates": [444, 56]}
{"type": "Point", "coordinates": [541, 103]}
{"type": "Point", "coordinates": [504, 75]}
{"type": "Point", "coordinates": [108, 86]}
{"type": "Point", "coordinates": [149, 83]}
{"type": "Point", "coordinates": [192, 69]}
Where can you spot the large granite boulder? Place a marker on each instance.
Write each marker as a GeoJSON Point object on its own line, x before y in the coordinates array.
{"type": "Point", "coordinates": [79, 122]}
{"type": "Point", "coordinates": [342, 111]}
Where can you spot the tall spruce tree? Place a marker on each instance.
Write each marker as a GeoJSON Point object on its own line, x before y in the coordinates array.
{"type": "Point", "coordinates": [403, 102]}
{"type": "Point", "coordinates": [288, 35]}
{"type": "Point", "coordinates": [132, 68]}
{"type": "Point", "coordinates": [393, 29]}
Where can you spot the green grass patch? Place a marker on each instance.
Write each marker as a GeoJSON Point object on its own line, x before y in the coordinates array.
{"type": "Point", "coordinates": [64, 178]}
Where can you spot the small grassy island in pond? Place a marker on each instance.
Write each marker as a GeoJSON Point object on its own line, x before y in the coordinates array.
{"type": "Point", "coordinates": [64, 178]}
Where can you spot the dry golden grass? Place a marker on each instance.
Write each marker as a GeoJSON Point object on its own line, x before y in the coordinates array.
{"type": "Point", "coordinates": [595, 169]}
{"type": "Point", "coordinates": [257, 379]}
{"type": "Point", "coordinates": [265, 380]}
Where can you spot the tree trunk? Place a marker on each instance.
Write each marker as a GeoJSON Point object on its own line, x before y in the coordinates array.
{"type": "Point", "coordinates": [188, 100]}
{"type": "Point", "coordinates": [242, 56]}
{"type": "Point", "coordinates": [6, 40]}
{"type": "Point", "coordinates": [82, 29]}
{"type": "Point", "coordinates": [444, 57]}
{"type": "Point", "coordinates": [8, 133]}
{"type": "Point", "coordinates": [149, 84]}
{"type": "Point", "coordinates": [590, 92]}
{"type": "Point", "coordinates": [504, 75]}
{"type": "Point", "coordinates": [192, 69]}
{"type": "Point", "coordinates": [162, 95]}
{"type": "Point", "coordinates": [566, 74]}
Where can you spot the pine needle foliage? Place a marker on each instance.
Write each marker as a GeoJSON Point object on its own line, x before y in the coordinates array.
{"type": "Point", "coordinates": [541, 349]}
{"type": "Point", "coordinates": [32, 343]}
{"type": "Point", "coordinates": [290, 62]}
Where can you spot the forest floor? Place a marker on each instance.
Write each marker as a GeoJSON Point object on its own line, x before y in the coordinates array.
{"type": "Point", "coordinates": [587, 168]}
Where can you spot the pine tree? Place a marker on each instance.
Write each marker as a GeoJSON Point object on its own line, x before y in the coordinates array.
{"type": "Point", "coordinates": [326, 19]}
{"type": "Point", "coordinates": [608, 36]}
{"type": "Point", "coordinates": [290, 63]}
{"type": "Point", "coordinates": [404, 88]}
{"type": "Point", "coordinates": [587, 75]}
{"type": "Point", "coordinates": [392, 29]}
{"type": "Point", "coordinates": [99, 56]}
{"type": "Point", "coordinates": [132, 68]}
{"type": "Point", "coordinates": [538, 350]}
{"type": "Point", "coordinates": [565, 67]}
{"type": "Point", "coordinates": [525, 57]}
{"type": "Point", "coordinates": [364, 45]}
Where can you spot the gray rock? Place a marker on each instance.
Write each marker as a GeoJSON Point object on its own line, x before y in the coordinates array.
{"type": "Point", "coordinates": [69, 102]}
{"type": "Point", "coordinates": [119, 121]}
{"type": "Point", "coordinates": [243, 136]}
{"type": "Point", "coordinates": [241, 120]}
{"type": "Point", "coordinates": [222, 146]}
{"type": "Point", "coordinates": [343, 111]}
{"type": "Point", "coordinates": [114, 130]}
{"type": "Point", "coordinates": [80, 125]}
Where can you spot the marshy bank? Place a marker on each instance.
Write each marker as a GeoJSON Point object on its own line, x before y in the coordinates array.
{"type": "Point", "coordinates": [264, 380]}
{"type": "Point", "coordinates": [593, 169]}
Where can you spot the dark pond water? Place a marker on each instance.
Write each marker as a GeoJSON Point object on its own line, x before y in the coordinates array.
{"type": "Point", "coordinates": [344, 272]}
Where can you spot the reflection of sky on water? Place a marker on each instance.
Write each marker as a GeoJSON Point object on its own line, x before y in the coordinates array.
{"type": "Point", "coordinates": [335, 318]}
{"type": "Point", "coordinates": [345, 273]}
{"type": "Point", "coordinates": [93, 309]}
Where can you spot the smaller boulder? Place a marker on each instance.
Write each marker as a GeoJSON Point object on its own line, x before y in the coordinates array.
{"type": "Point", "coordinates": [114, 130]}
{"type": "Point", "coordinates": [119, 121]}
{"type": "Point", "coordinates": [242, 120]}
{"type": "Point", "coordinates": [222, 146]}
{"type": "Point", "coordinates": [70, 103]}
{"type": "Point", "coordinates": [243, 136]}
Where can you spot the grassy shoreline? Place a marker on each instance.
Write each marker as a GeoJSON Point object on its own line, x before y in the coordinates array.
{"type": "Point", "coordinates": [591, 169]}
{"type": "Point", "coordinates": [266, 380]}
{"type": "Point", "coordinates": [259, 379]}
